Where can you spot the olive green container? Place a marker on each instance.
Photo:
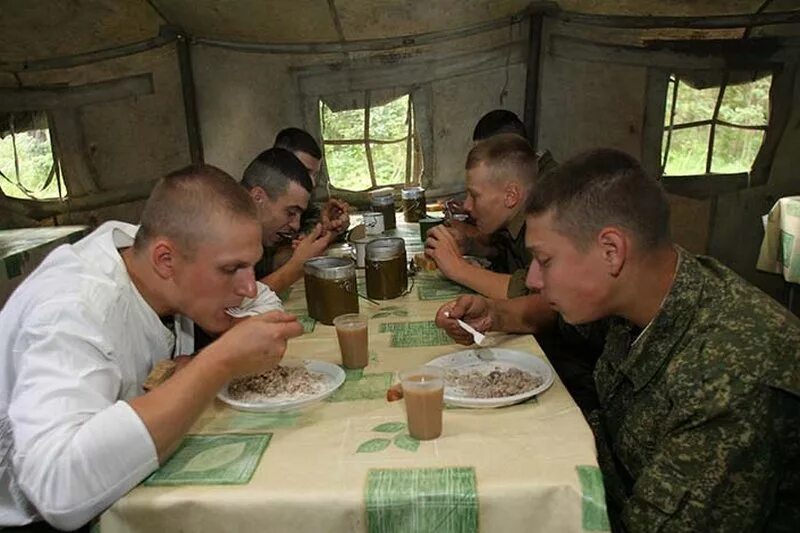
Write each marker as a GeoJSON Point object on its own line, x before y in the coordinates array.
{"type": "Point", "coordinates": [427, 223]}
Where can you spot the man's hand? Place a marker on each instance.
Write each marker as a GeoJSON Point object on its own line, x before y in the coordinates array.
{"type": "Point", "coordinates": [313, 244]}
{"type": "Point", "coordinates": [472, 309]}
{"type": "Point", "coordinates": [464, 234]}
{"type": "Point", "coordinates": [443, 248]}
{"type": "Point", "coordinates": [258, 343]}
{"type": "Point", "coordinates": [335, 216]}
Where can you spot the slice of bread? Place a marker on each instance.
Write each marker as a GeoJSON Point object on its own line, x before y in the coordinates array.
{"type": "Point", "coordinates": [424, 262]}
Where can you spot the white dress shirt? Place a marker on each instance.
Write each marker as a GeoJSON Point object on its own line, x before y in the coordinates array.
{"type": "Point", "coordinates": [76, 341]}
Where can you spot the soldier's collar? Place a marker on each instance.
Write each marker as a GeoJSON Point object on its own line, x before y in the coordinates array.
{"type": "Point", "coordinates": [515, 224]}
{"type": "Point", "coordinates": [656, 344]}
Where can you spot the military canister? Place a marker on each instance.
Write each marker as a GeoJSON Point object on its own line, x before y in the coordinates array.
{"type": "Point", "coordinates": [330, 288]}
{"type": "Point", "coordinates": [413, 203]}
{"type": "Point", "coordinates": [427, 223]}
{"type": "Point", "coordinates": [386, 270]}
{"type": "Point", "coordinates": [382, 201]}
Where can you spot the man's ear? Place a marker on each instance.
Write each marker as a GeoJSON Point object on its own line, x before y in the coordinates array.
{"type": "Point", "coordinates": [163, 255]}
{"type": "Point", "coordinates": [613, 244]}
{"type": "Point", "coordinates": [513, 194]}
{"type": "Point", "coordinates": [258, 194]}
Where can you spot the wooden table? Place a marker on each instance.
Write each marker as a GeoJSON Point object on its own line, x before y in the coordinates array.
{"type": "Point", "coordinates": [348, 464]}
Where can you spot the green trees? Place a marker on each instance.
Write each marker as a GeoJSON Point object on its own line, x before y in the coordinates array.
{"type": "Point", "coordinates": [346, 140]}
{"type": "Point", "coordinates": [734, 148]}
{"type": "Point", "coordinates": [35, 160]}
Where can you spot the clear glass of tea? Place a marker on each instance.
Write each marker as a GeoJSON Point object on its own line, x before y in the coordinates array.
{"type": "Point", "coordinates": [351, 329]}
{"type": "Point", "coordinates": [423, 391]}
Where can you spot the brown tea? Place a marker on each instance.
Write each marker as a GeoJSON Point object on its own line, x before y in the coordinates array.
{"type": "Point", "coordinates": [389, 219]}
{"type": "Point", "coordinates": [387, 279]}
{"type": "Point", "coordinates": [330, 288]}
{"type": "Point", "coordinates": [351, 331]}
{"type": "Point", "coordinates": [382, 201]}
{"type": "Point", "coordinates": [413, 203]}
{"type": "Point", "coordinates": [386, 269]}
{"type": "Point", "coordinates": [424, 395]}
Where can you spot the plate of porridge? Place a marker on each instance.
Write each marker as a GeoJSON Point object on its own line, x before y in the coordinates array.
{"type": "Point", "coordinates": [290, 386]}
{"type": "Point", "coordinates": [485, 378]}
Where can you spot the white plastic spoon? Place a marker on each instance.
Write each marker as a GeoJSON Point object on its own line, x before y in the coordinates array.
{"type": "Point", "coordinates": [477, 336]}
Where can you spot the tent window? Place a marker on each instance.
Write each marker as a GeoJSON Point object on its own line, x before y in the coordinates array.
{"type": "Point", "coordinates": [28, 168]}
{"type": "Point", "coordinates": [371, 146]}
{"type": "Point", "coordinates": [713, 130]}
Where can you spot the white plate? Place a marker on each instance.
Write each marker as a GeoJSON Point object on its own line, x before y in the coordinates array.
{"type": "Point", "coordinates": [334, 377]}
{"type": "Point", "coordinates": [486, 360]}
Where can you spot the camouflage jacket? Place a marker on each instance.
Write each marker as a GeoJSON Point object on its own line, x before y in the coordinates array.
{"type": "Point", "coordinates": [699, 426]}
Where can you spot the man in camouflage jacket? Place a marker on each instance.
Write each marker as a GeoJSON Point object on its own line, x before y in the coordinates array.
{"type": "Point", "coordinates": [700, 415]}
{"type": "Point", "coordinates": [699, 380]}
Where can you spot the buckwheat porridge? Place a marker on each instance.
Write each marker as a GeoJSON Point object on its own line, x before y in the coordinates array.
{"type": "Point", "coordinates": [498, 383]}
{"type": "Point", "coordinates": [280, 383]}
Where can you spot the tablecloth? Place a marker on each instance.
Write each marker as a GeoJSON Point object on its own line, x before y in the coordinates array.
{"type": "Point", "coordinates": [349, 465]}
{"type": "Point", "coordinates": [780, 248]}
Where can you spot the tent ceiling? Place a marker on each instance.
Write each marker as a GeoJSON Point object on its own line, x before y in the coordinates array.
{"type": "Point", "coordinates": [39, 29]}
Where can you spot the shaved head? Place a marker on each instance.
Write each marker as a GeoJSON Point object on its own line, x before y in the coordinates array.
{"type": "Point", "coordinates": [185, 204]}
{"type": "Point", "coordinates": [508, 156]}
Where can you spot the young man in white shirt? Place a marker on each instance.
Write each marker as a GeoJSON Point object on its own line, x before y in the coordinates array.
{"type": "Point", "coordinates": [80, 335]}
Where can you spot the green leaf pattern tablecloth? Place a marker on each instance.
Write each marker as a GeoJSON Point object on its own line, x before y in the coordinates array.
{"type": "Point", "coordinates": [349, 465]}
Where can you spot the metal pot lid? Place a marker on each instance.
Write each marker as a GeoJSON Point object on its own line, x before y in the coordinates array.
{"type": "Point", "coordinates": [330, 267]}
{"type": "Point", "coordinates": [410, 193]}
{"type": "Point", "coordinates": [384, 249]}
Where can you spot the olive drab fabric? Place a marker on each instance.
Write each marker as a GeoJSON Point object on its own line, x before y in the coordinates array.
{"type": "Point", "coordinates": [512, 255]}
{"type": "Point", "coordinates": [699, 425]}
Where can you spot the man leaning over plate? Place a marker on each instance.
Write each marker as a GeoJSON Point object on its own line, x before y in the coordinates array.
{"type": "Point", "coordinates": [698, 427]}
{"type": "Point", "coordinates": [79, 336]}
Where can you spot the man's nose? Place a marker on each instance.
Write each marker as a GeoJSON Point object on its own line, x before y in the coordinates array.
{"type": "Point", "coordinates": [534, 280]}
{"type": "Point", "coordinates": [295, 224]}
{"type": "Point", "coordinates": [468, 205]}
{"type": "Point", "coordinates": [246, 284]}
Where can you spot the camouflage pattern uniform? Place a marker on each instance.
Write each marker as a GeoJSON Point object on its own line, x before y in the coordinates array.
{"type": "Point", "coordinates": [699, 425]}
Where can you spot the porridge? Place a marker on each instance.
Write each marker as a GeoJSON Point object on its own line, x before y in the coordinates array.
{"type": "Point", "coordinates": [280, 383]}
{"type": "Point", "coordinates": [498, 383]}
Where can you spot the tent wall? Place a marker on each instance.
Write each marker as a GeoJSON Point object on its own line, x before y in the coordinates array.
{"type": "Point", "coordinates": [121, 143]}
{"type": "Point", "coordinates": [736, 230]}
{"type": "Point", "coordinates": [244, 98]}
{"type": "Point", "coordinates": [591, 98]}
{"type": "Point", "coordinates": [588, 96]}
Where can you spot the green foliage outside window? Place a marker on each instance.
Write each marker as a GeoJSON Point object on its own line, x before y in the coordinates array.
{"type": "Point", "coordinates": [348, 145]}
{"type": "Point", "coordinates": [33, 175]}
{"type": "Point", "coordinates": [685, 150]}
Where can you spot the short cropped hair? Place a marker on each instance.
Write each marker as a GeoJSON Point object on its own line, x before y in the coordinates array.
{"type": "Point", "coordinates": [507, 156]}
{"type": "Point", "coordinates": [496, 122]}
{"type": "Point", "coordinates": [599, 188]}
{"type": "Point", "coordinates": [273, 170]}
{"type": "Point", "coordinates": [297, 140]}
{"type": "Point", "coordinates": [185, 203]}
